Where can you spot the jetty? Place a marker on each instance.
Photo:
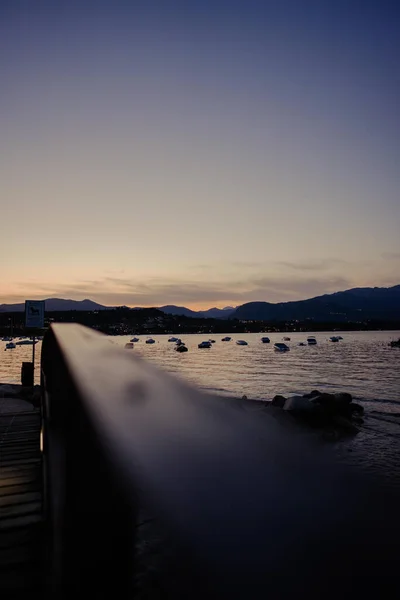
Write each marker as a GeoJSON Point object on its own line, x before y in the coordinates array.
{"type": "Point", "coordinates": [119, 478]}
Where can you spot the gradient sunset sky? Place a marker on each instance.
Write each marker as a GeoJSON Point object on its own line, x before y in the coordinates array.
{"type": "Point", "coordinates": [198, 153]}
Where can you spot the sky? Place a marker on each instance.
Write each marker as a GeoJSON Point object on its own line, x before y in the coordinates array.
{"type": "Point", "coordinates": [199, 153]}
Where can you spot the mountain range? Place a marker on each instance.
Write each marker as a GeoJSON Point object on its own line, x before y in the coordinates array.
{"type": "Point", "coordinates": [57, 304]}
{"type": "Point", "coordinates": [357, 304]}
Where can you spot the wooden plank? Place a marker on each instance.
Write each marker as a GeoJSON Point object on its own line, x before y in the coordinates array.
{"type": "Point", "coordinates": [9, 490]}
{"type": "Point", "coordinates": [17, 510]}
{"type": "Point", "coordinates": [20, 461]}
{"type": "Point", "coordinates": [22, 521]}
{"type": "Point", "coordinates": [19, 499]}
{"type": "Point", "coordinates": [20, 536]}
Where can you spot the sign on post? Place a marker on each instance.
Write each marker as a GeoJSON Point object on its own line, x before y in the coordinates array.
{"type": "Point", "coordinates": [34, 313]}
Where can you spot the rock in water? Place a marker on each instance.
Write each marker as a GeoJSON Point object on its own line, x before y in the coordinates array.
{"type": "Point", "coordinates": [343, 398]}
{"type": "Point", "coordinates": [298, 404]}
{"type": "Point", "coordinates": [278, 401]}
{"type": "Point", "coordinates": [312, 394]}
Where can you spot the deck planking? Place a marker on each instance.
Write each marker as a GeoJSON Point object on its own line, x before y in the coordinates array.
{"type": "Point", "coordinates": [21, 521]}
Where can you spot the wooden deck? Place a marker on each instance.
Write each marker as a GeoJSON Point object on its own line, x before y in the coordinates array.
{"type": "Point", "coordinates": [21, 526]}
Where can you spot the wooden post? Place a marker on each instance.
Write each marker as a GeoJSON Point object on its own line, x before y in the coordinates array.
{"type": "Point", "coordinates": [33, 362]}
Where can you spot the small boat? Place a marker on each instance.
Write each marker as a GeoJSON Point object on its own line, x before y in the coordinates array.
{"type": "Point", "coordinates": [395, 343]}
{"type": "Point", "coordinates": [135, 340]}
{"type": "Point", "coordinates": [226, 339]}
{"type": "Point", "coordinates": [311, 341]}
{"type": "Point", "coordinates": [280, 347]}
{"type": "Point", "coordinates": [339, 337]}
{"type": "Point", "coordinates": [129, 346]}
{"type": "Point", "coordinates": [181, 348]}
{"type": "Point", "coordinates": [334, 338]}
{"type": "Point", "coordinates": [205, 345]}
{"type": "Point", "coordinates": [241, 343]}
{"type": "Point", "coordinates": [10, 346]}
{"type": "Point", "coordinates": [265, 340]}
{"type": "Point", "coordinates": [179, 343]}
{"type": "Point", "coordinates": [212, 341]}
{"type": "Point", "coordinates": [302, 344]}
{"type": "Point", "coordinates": [173, 339]}
{"type": "Point", "coordinates": [150, 341]}
{"type": "Point", "coordinates": [7, 338]}
{"type": "Point", "coordinates": [27, 343]}
{"type": "Point", "coordinates": [286, 339]}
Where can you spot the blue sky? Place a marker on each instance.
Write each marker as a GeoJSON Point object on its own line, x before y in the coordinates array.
{"type": "Point", "coordinates": [198, 152]}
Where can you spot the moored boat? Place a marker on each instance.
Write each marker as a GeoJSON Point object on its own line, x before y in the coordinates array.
{"type": "Point", "coordinates": [226, 339]}
{"type": "Point", "coordinates": [150, 341]}
{"type": "Point", "coordinates": [265, 340]}
{"type": "Point", "coordinates": [241, 343]}
{"type": "Point", "coordinates": [311, 341]}
{"type": "Point", "coordinates": [205, 345]}
{"type": "Point", "coordinates": [281, 347]}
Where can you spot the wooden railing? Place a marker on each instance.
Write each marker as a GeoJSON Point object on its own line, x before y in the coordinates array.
{"type": "Point", "coordinates": [253, 509]}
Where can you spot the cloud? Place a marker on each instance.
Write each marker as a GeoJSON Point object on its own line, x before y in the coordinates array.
{"type": "Point", "coordinates": [157, 291]}
{"type": "Point", "coordinates": [314, 265]}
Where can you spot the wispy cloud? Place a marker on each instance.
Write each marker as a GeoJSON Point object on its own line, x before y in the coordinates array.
{"type": "Point", "coordinates": [157, 292]}
{"type": "Point", "coordinates": [314, 265]}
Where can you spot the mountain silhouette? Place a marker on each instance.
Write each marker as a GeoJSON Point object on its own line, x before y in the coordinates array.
{"type": "Point", "coordinates": [57, 304]}
{"type": "Point", "coordinates": [357, 305]}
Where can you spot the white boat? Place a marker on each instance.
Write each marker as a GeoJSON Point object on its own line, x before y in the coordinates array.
{"type": "Point", "coordinates": [27, 343]}
{"type": "Point", "coordinates": [173, 339]}
{"type": "Point", "coordinates": [265, 340]}
{"type": "Point", "coordinates": [281, 347]}
{"type": "Point", "coordinates": [10, 346]}
{"type": "Point", "coordinates": [334, 338]}
{"type": "Point", "coordinates": [129, 346]}
{"type": "Point", "coordinates": [135, 340]}
{"type": "Point", "coordinates": [150, 341]}
{"type": "Point", "coordinates": [226, 339]}
{"type": "Point", "coordinates": [241, 343]}
{"type": "Point", "coordinates": [205, 345]}
{"type": "Point", "coordinates": [311, 341]}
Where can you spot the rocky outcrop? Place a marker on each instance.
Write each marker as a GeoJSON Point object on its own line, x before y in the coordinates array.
{"type": "Point", "coordinates": [323, 410]}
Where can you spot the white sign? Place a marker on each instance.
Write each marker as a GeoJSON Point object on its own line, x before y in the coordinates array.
{"type": "Point", "coordinates": [34, 313]}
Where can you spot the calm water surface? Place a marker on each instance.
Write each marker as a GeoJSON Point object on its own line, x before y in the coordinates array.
{"type": "Point", "coordinates": [362, 364]}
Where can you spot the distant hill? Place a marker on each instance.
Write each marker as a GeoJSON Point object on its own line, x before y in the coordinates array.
{"type": "Point", "coordinates": [171, 309]}
{"type": "Point", "coordinates": [357, 304]}
{"type": "Point", "coordinates": [57, 304]}
{"type": "Point", "coordinates": [211, 313]}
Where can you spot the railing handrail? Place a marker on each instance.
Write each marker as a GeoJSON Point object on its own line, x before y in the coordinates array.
{"type": "Point", "coordinates": [244, 496]}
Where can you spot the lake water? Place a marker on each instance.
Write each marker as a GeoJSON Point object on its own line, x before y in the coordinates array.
{"type": "Point", "coordinates": [362, 364]}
